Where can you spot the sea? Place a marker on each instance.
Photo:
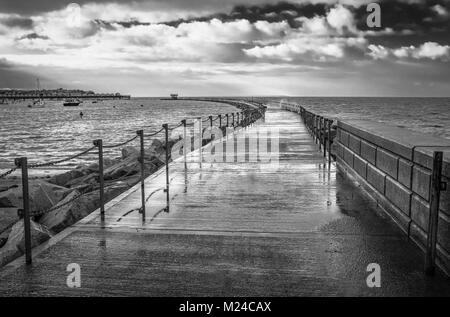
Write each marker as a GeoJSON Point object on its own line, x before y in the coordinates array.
{"type": "Point", "coordinates": [56, 132]}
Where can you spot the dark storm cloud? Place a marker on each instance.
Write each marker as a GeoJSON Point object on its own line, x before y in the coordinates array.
{"type": "Point", "coordinates": [412, 23]}
{"type": "Point", "coordinates": [20, 22]}
{"type": "Point", "coordinates": [33, 36]}
{"type": "Point", "coordinates": [420, 16]}
{"type": "Point", "coordinates": [414, 17]}
{"type": "Point", "coordinates": [281, 11]}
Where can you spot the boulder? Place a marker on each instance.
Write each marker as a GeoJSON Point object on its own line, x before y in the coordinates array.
{"type": "Point", "coordinates": [15, 246]}
{"type": "Point", "coordinates": [156, 148]}
{"type": "Point", "coordinates": [93, 167]}
{"type": "Point", "coordinates": [90, 179]}
{"type": "Point", "coordinates": [67, 215]}
{"type": "Point", "coordinates": [127, 167]}
{"type": "Point", "coordinates": [8, 216]}
{"type": "Point", "coordinates": [43, 195]}
{"type": "Point", "coordinates": [130, 151]}
{"type": "Point", "coordinates": [64, 178]}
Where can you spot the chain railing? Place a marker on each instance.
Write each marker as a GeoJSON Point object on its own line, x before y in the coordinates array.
{"type": "Point", "coordinates": [10, 171]}
{"type": "Point", "coordinates": [239, 119]}
{"type": "Point", "coordinates": [318, 126]}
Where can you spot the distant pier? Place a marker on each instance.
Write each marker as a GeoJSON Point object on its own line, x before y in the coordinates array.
{"type": "Point", "coordinates": [63, 96]}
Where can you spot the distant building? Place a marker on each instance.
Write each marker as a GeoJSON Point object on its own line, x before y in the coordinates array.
{"type": "Point", "coordinates": [174, 96]}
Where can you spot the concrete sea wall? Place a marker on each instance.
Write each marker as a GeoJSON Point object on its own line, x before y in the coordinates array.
{"type": "Point", "coordinates": [394, 166]}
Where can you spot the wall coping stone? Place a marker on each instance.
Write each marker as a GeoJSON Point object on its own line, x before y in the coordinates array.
{"type": "Point", "coordinates": [414, 146]}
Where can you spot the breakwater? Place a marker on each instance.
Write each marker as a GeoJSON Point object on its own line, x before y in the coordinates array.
{"type": "Point", "coordinates": [48, 206]}
{"type": "Point", "coordinates": [405, 172]}
{"type": "Point", "coordinates": [22, 96]}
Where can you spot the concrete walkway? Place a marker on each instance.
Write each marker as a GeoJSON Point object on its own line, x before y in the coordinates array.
{"type": "Point", "coordinates": [235, 229]}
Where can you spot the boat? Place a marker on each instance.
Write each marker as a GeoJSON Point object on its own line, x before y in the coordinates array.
{"type": "Point", "coordinates": [38, 104]}
{"type": "Point", "coordinates": [71, 103]}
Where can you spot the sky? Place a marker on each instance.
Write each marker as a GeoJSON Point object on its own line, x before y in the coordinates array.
{"type": "Point", "coordinates": [227, 47]}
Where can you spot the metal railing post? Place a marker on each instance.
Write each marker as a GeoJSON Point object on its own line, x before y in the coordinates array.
{"type": "Point", "coordinates": [210, 121]}
{"type": "Point", "coordinates": [166, 129]}
{"type": "Point", "coordinates": [99, 144]}
{"type": "Point", "coordinates": [233, 119]}
{"type": "Point", "coordinates": [185, 143]}
{"type": "Point", "coordinates": [227, 119]}
{"type": "Point", "coordinates": [23, 164]}
{"type": "Point", "coordinates": [314, 128]}
{"type": "Point", "coordinates": [435, 188]}
{"type": "Point", "coordinates": [330, 124]}
{"type": "Point", "coordinates": [237, 120]}
{"type": "Point", "coordinates": [140, 133]}
{"type": "Point", "coordinates": [325, 123]}
{"type": "Point", "coordinates": [200, 141]}
{"type": "Point", "coordinates": [220, 121]}
{"type": "Point", "coordinates": [319, 132]}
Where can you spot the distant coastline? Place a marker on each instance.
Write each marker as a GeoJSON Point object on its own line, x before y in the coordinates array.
{"type": "Point", "coordinates": [60, 93]}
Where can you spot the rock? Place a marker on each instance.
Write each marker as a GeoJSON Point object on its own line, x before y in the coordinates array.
{"type": "Point", "coordinates": [64, 178]}
{"type": "Point", "coordinates": [156, 148]}
{"type": "Point", "coordinates": [84, 188]}
{"type": "Point", "coordinates": [43, 195]}
{"type": "Point", "coordinates": [93, 168]}
{"type": "Point", "coordinates": [127, 167]}
{"type": "Point", "coordinates": [8, 216]}
{"type": "Point", "coordinates": [4, 188]}
{"type": "Point", "coordinates": [130, 151]}
{"type": "Point", "coordinates": [67, 215]}
{"type": "Point", "coordinates": [3, 241]}
{"type": "Point", "coordinates": [90, 179]}
{"type": "Point", "coordinates": [8, 253]}
{"type": "Point", "coordinates": [15, 246]}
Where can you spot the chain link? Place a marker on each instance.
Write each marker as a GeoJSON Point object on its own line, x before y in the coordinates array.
{"type": "Point", "coordinates": [120, 144]}
{"type": "Point", "coordinates": [62, 160]}
{"type": "Point", "coordinates": [8, 172]}
{"type": "Point", "coordinates": [175, 127]}
{"type": "Point", "coordinates": [154, 133]}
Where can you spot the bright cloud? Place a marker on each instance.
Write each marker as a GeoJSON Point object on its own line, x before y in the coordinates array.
{"type": "Point", "coordinates": [428, 50]}
{"type": "Point", "coordinates": [341, 19]}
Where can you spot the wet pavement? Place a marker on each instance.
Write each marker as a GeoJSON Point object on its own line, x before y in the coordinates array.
{"type": "Point", "coordinates": [296, 228]}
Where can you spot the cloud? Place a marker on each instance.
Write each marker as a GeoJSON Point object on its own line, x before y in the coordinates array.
{"type": "Point", "coordinates": [440, 10]}
{"type": "Point", "coordinates": [378, 51]}
{"type": "Point", "coordinates": [299, 48]}
{"type": "Point", "coordinates": [16, 21]}
{"type": "Point", "coordinates": [428, 50]}
{"type": "Point", "coordinates": [341, 19]}
{"type": "Point", "coordinates": [432, 51]}
{"type": "Point", "coordinates": [33, 36]}
{"type": "Point", "coordinates": [319, 38]}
